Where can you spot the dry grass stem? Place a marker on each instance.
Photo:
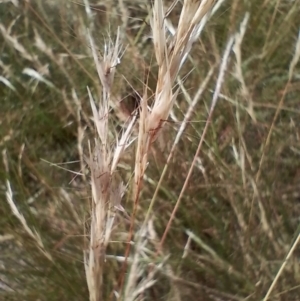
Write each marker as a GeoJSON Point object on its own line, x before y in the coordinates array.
{"type": "Point", "coordinates": [107, 190]}
{"type": "Point", "coordinates": [238, 66]}
{"type": "Point", "coordinates": [169, 57]}
{"type": "Point", "coordinates": [180, 132]}
{"type": "Point", "coordinates": [213, 104]}
{"type": "Point", "coordinates": [32, 233]}
{"type": "Point", "coordinates": [138, 269]}
{"type": "Point", "coordinates": [282, 267]}
{"type": "Point", "coordinates": [293, 63]}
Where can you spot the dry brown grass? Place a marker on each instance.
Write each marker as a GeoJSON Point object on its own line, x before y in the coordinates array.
{"type": "Point", "coordinates": [106, 191]}
{"type": "Point", "coordinates": [181, 194]}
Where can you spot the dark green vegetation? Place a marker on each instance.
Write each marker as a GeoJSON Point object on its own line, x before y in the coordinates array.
{"type": "Point", "coordinates": [239, 216]}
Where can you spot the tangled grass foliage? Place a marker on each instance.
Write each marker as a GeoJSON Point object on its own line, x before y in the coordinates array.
{"type": "Point", "coordinates": [188, 176]}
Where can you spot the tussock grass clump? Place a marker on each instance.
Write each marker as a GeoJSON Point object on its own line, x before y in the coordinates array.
{"type": "Point", "coordinates": [149, 150]}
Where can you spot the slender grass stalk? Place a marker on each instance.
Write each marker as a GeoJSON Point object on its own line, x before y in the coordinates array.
{"type": "Point", "coordinates": [170, 57]}
{"type": "Point", "coordinates": [32, 233]}
{"type": "Point", "coordinates": [282, 267]}
{"type": "Point", "coordinates": [213, 105]}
